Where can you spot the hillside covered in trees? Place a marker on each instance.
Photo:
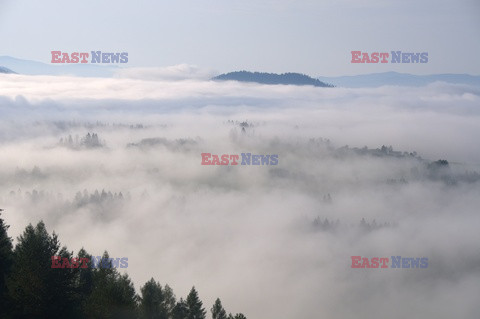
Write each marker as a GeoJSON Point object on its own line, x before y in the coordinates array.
{"type": "Point", "coordinates": [271, 78]}
{"type": "Point", "coordinates": [30, 287]}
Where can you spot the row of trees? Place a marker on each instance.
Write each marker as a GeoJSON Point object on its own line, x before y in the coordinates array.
{"type": "Point", "coordinates": [80, 199]}
{"type": "Point", "coordinates": [333, 226]}
{"type": "Point", "coordinates": [68, 125]}
{"type": "Point", "coordinates": [88, 141]}
{"type": "Point", "coordinates": [31, 288]}
{"type": "Point", "coordinates": [271, 78]}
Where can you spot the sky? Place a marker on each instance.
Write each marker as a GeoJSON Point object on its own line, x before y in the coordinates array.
{"type": "Point", "coordinates": [247, 234]}
{"type": "Point", "coordinates": [312, 37]}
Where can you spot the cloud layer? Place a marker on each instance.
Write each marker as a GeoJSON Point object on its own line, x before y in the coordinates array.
{"type": "Point", "coordinates": [247, 233]}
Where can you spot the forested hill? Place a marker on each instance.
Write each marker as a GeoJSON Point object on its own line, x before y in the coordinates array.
{"type": "Point", "coordinates": [5, 70]}
{"type": "Point", "coordinates": [271, 78]}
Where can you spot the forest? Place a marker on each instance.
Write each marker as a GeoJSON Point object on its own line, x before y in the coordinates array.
{"type": "Point", "coordinates": [271, 78]}
{"type": "Point", "coordinates": [30, 287]}
{"type": "Point", "coordinates": [116, 166]}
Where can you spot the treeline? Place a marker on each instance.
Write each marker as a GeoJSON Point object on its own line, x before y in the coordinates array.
{"type": "Point", "coordinates": [327, 225]}
{"type": "Point", "coordinates": [439, 170]}
{"type": "Point", "coordinates": [384, 151]}
{"type": "Point", "coordinates": [80, 199]}
{"type": "Point", "coordinates": [103, 204]}
{"type": "Point", "coordinates": [88, 141]}
{"type": "Point", "coordinates": [68, 125]}
{"type": "Point", "coordinates": [172, 145]}
{"type": "Point", "coordinates": [271, 78]}
{"type": "Point", "coordinates": [31, 288]}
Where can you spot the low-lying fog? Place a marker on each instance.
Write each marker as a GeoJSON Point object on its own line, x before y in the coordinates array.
{"type": "Point", "coordinates": [273, 241]}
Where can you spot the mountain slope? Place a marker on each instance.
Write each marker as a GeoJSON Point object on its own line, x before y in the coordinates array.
{"type": "Point", "coordinates": [29, 67]}
{"type": "Point", "coordinates": [400, 79]}
{"type": "Point", "coordinates": [6, 70]}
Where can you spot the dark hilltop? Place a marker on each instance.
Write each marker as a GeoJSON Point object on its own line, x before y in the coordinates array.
{"type": "Point", "coordinates": [271, 78]}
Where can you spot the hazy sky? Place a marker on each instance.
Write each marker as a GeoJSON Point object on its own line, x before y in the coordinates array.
{"type": "Point", "coordinates": [246, 234]}
{"type": "Point", "coordinates": [313, 37]}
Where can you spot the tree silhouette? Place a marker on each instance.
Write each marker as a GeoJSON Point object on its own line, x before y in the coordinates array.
{"type": "Point", "coordinates": [84, 283]}
{"type": "Point", "coordinates": [152, 302]}
{"type": "Point", "coordinates": [169, 300]}
{"type": "Point", "coordinates": [195, 306]}
{"type": "Point", "coordinates": [113, 295]}
{"type": "Point", "coordinates": [37, 289]}
{"type": "Point", "coordinates": [6, 259]}
{"type": "Point", "coordinates": [32, 286]}
{"type": "Point", "coordinates": [217, 310]}
{"type": "Point", "coordinates": [180, 311]}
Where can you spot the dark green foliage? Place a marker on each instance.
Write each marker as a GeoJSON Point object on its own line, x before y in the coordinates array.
{"type": "Point", "coordinates": [217, 310]}
{"type": "Point", "coordinates": [271, 78]}
{"type": "Point", "coordinates": [31, 287]}
{"type": "Point", "coordinates": [169, 300]}
{"type": "Point", "coordinates": [36, 289]}
{"type": "Point", "coordinates": [6, 259]}
{"type": "Point", "coordinates": [152, 302]}
{"type": "Point", "coordinates": [112, 296]}
{"type": "Point", "coordinates": [195, 306]}
{"type": "Point", "coordinates": [180, 311]}
{"type": "Point", "coordinates": [84, 284]}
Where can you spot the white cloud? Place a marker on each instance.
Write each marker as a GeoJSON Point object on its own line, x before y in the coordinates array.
{"type": "Point", "coordinates": [170, 73]}
{"type": "Point", "coordinates": [244, 234]}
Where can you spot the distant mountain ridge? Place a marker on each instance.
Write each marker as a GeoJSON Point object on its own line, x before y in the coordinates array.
{"type": "Point", "coordinates": [271, 78]}
{"type": "Point", "coordinates": [399, 79]}
{"type": "Point", "coordinates": [29, 67]}
{"type": "Point", "coordinates": [11, 65]}
{"type": "Point", "coordinates": [6, 70]}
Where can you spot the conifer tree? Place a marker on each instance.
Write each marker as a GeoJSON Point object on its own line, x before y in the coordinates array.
{"type": "Point", "coordinates": [180, 311]}
{"type": "Point", "coordinates": [113, 295]}
{"type": "Point", "coordinates": [152, 302]}
{"type": "Point", "coordinates": [195, 306]}
{"type": "Point", "coordinates": [6, 257]}
{"type": "Point", "coordinates": [83, 283]}
{"type": "Point", "coordinates": [169, 299]}
{"type": "Point", "coordinates": [217, 310]}
{"type": "Point", "coordinates": [36, 289]}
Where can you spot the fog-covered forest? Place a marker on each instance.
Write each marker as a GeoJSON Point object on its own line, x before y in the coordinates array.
{"type": "Point", "coordinates": [34, 285]}
{"type": "Point", "coordinates": [114, 165]}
